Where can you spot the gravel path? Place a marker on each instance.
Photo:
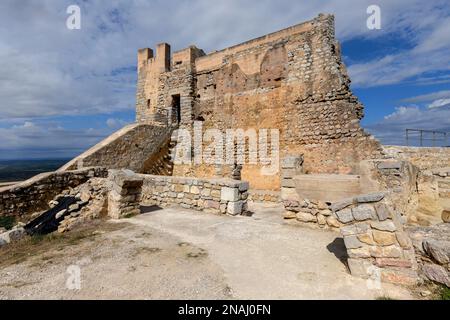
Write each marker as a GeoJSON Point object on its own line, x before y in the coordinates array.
{"type": "Point", "coordinates": [182, 254]}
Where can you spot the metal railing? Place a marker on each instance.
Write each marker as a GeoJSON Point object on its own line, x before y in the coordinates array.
{"type": "Point", "coordinates": [436, 137]}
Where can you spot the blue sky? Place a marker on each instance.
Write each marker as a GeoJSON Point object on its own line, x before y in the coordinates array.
{"type": "Point", "coordinates": [62, 90]}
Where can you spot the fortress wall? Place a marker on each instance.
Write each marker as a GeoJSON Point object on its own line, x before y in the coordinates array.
{"type": "Point", "coordinates": [292, 80]}
{"type": "Point", "coordinates": [297, 84]}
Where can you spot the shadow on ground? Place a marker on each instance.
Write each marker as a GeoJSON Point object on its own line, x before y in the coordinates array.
{"type": "Point", "coordinates": [337, 247]}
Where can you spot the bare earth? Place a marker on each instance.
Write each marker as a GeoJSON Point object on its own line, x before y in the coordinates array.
{"type": "Point", "coordinates": [183, 254]}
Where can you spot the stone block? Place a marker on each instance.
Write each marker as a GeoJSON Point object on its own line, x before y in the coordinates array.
{"type": "Point", "coordinates": [287, 183]}
{"type": "Point", "coordinates": [212, 204]}
{"type": "Point", "coordinates": [339, 205]}
{"type": "Point", "coordinates": [392, 251]}
{"type": "Point", "coordinates": [393, 262]}
{"type": "Point", "coordinates": [363, 212]}
{"type": "Point", "coordinates": [384, 238]}
{"type": "Point", "coordinates": [386, 225]}
{"type": "Point", "coordinates": [352, 242]}
{"type": "Point", "coordinates": [403, 276]}
{"type": "Point", "coordinates": [366, 238]}
{"type": "Point", "coordinates": [333, 222]}
{"type": "Point", "coordinates": [244, 186]}
{"type": "Point", "coordinates": [361, 253]}
{"type": "Point", "coordinates": [370, 197]}
{"type": "Point", "coordinates": [383, 211]}
{"type": "Point", "coordinates": [289, 215]}
{"type": "Point", "coordinates": [234, 208]}
{"type": "Point", "coordinates": [390, 165]}
{"type": "Point", "coordinates": [291, 162]}
{"type": "Point", "coordinates": [403, 240]}
{"type": "Point", "coordinates": [321, 220]}
{"type": "Point", "coordinates": [288, 173]}
{"type": "Point", "coordinates": [289, 194]}
{"type": "Point", "coordinates": [360, 267]}
{"type": "Point", "coordinates": [344, 216]}
{"type": "Point", "coordinates": [12, 235]}
{"type": "Point", "coordinates": [306, 217]}
{"type": "Point", "coordinates": [195, 190]}
{"type": "Point", "coordinates": [229, 194]}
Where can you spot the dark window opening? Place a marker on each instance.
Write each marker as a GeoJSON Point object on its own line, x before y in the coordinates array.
{"type": "Point", "coordinates": [148, 104]}
{"type": "Point", "coordinates": [178, 62]}
{"type": "Point", "coordinates": [176, 107]}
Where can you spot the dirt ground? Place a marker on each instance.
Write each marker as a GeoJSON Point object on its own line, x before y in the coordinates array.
{"type": "Point", "coordinates": [183, 254]}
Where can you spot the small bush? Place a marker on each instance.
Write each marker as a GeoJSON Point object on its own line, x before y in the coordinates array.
{"type": "Point", "coordinates": [445, 293]}
{"type": "Point", "coordinates": [7, 222]}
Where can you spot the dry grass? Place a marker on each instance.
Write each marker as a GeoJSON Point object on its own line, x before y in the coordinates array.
{"type": "Point", "coordinates": [50, 246]}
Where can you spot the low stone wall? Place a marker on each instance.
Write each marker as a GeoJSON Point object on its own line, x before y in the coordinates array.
{"type": "Point", "coordinates": [377, 245]}
{"type": "Point", "coordinates": [210, 195]}
{"type": "Point", "coordinates": [34, 194]}
{"type": "Point", "coordinates": [371, 224]}
{"type": "Point", "coordinates": [423, 158]}
{"type": "Point", "coordinates": [268, 196]}
{"type": "Point", "coordinates": [306, 211]}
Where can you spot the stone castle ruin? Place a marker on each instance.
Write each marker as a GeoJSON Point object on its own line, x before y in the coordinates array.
{"type": "Point", "coordinates": [331, 174]}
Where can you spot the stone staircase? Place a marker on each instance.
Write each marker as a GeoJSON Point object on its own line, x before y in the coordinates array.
{"type": "Point", "coordinates": [161, 163]}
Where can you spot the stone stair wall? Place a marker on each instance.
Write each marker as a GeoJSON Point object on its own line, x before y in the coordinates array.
{"type": "Point", "coordinates": [128, 148]}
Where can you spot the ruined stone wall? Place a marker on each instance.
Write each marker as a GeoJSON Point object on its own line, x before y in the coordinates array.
{"type": "Point", "coordinates": [292, 80]}
{"type": "Point", "coordinates": [34, 194]}
{"type": "Point", "coordinates": [424, 158]}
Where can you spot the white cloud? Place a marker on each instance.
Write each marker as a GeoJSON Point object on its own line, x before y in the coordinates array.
{"type": "Point", "coordinates": [30, 140]}
{"type": "Point", "coordinates": [391, 130]}
{"type": "Point", "coordinates": [428, 97]}
{"type": "Point", "coordinates": [49, 70]}
{"type": "Point", "coordinates": [402, 113]}
{"type": "Point", "coordinates": [114, 123]}
{"type": "Point", "coordinates": [439, 103]}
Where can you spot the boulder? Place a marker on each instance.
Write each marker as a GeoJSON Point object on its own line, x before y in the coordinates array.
{"type": "Point", "coordinates": [438, 250]}
{"type": "Point", "coordinates": [436, 273]}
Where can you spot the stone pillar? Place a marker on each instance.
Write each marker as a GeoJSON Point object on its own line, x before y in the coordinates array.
{"type": "Point", "coordinates": [124, 193]}
{"type": "Point", "coordinates": [290, 166]}
{"type": "Point", "coordinates": [235, 198]}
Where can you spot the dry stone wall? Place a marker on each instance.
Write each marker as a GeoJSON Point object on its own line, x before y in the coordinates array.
{"type": "Point", "coordinates": [222, 196]}
{"type": "Point", "coordinates": [34, 194]}
{"type": "Point", "coordinates": [377, 245]}
{"type": "Point", "coordinates": [423, 158]}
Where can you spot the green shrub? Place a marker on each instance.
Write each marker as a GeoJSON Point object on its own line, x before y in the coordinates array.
{"type": "Point", "coordinates": [445, 293]}
{"type": "Point", "coordinates": [7, 222]}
